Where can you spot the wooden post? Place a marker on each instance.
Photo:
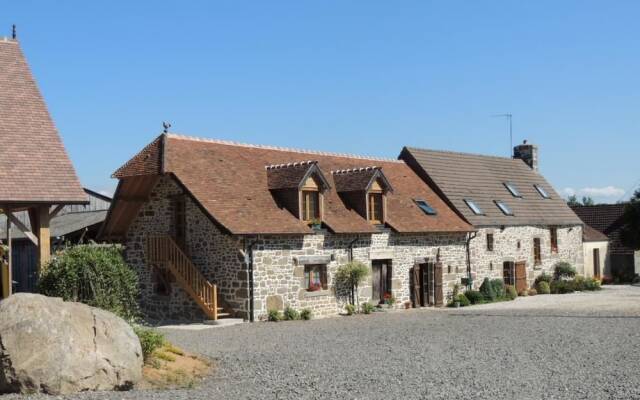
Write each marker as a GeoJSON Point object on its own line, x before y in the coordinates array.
{"type": "Point", "coordinates": [9, 256]}
{"type": "Point", "coordinates": [41, 229]}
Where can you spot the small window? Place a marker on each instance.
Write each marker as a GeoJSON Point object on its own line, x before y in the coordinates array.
{"type": "Point", "coordinates": [554, 239]}
{"type": "Point", "coordinates": [425, 207]}
{"type": "Point", "coordinates": [537, 253]}
{"type": "Point", "coordinates": [489, 241]}
{"type": "Point", "coordinates": [512, 189]}
{"type": "Point", "coordinates": [542, 192]}
{"type": "Point", "coordinates": [310, 205]}
{"type": "Point", "coordinates": [474, 207]}
{"type": "Point", "coordinates": [503, 207]}
{"type": "Point", "coordinates": [315, 277]}
{"type": "Point", "coordinates": [376, 208]}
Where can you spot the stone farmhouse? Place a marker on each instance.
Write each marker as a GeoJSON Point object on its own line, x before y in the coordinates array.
{"type": "Point", "coordinates": [216, 228]}
{"type": "Point", "coordinates": [523, 227]}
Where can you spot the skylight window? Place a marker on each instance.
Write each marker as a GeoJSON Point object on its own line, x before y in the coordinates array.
{"type": "Point", "coordinates": [512, 189]}
{"type": "Point", "coordinates": [503, 207]}
{"type": "Point", "coordinates": [542, 192]}
{"type": "Point", "coordinates": [474, 207]}
{"type": "Point", "coordinates": [425, 207]}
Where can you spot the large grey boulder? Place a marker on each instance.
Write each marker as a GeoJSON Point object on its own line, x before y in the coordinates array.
{"type": "Point", "coordinates": [56, 347]}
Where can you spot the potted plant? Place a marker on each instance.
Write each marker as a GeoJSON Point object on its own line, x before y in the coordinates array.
{"type": "Point", "coordinates": [315, 287]}
{"type": "Point", "coordinates": [388, 299]}
{"type": "Point", "coordinates": [316, 224]}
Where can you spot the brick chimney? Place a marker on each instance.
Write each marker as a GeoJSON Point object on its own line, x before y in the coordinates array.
{"type": "Point", "coordinates": [527, 153]}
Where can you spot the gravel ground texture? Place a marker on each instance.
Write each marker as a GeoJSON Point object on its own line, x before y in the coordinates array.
{"type": "Point", "coordinates": [575, 346]}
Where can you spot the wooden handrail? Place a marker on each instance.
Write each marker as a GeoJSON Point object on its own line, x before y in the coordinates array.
{"type": "Point", "coordinates": [165, 251]}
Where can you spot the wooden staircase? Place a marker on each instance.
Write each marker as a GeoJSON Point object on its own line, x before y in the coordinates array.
{"type": "Point", "coordinates": [165, 253]}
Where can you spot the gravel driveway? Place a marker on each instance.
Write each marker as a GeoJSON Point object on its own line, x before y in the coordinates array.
{"type": "Point", "coordinates": [574, 346]}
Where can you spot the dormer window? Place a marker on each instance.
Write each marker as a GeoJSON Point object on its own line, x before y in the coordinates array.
{"type": "Point", "coordinates": [299, 188]}
{"type": "Point", "coordinates": [364, 190]}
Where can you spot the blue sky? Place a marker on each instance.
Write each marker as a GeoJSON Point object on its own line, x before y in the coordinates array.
{"type": "Point", "coordinates": [363, 77]}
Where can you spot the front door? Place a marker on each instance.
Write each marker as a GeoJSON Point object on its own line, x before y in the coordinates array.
{"type": "Point", "coordinates": [521, 276]}
{"type": "Point", "coordinates": [380, 279]}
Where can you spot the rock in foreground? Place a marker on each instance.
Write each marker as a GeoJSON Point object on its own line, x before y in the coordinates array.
{"type": "Point", "coordinates": [56, 347]}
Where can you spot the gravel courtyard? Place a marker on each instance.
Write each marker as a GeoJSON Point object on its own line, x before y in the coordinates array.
{"type": "Point", "coordinates": [575, 346]}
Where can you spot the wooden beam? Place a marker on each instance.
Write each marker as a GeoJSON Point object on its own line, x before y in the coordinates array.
{"type": "Point", "coordinates": [55, 211]}
{"type": "Point", "coordinates": [9, 256]}
{"type": "Point", "coordinates": [44, 237]}
{"type": "Point", "coordinates": [23, 228]}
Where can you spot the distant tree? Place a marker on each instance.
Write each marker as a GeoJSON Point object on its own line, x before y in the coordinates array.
{"type": "Point", "coordinates": [631, 218]}
{"type": "Point", "coordinates": [573, 201]}
{"type": "Point", "coordinates": [587, 201]}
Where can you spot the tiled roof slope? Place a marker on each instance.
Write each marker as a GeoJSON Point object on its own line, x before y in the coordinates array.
{"type": "Point", "coordinates": [34, 166]}
{"type": "Point", "coordinates": [592, 235]}
{"type": "Point", "coordinates": [606, 218]}
{"type": "Point", "coordinates": [147, 162]}
{"type": "Point", "coordinates": [461, 176]}
{"type": "Point", "coordinates": [353, 180]}
{"type": "Point", "coordinates": [230, 182]}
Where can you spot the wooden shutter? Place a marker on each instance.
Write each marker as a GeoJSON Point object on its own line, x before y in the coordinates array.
{"type": "Point", "coordinates": [437, 278]}
{"type": "Point", "coordinates": [323, 276]}
{"type": "Point", "coordinates": [521, 276]}
{"type": "Point", "coordinates": [415, 276]}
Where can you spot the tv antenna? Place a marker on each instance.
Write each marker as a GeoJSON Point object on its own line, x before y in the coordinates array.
{"type": "Point", "coordinates": [508, 116]}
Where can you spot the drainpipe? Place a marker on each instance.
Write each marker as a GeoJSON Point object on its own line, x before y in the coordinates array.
{"type": "Point", "coordinates": [470, 237]}
{"type": "Point", "coordinates": [350, 247]}
{"type": "Point", "coordinates": [249, 261]}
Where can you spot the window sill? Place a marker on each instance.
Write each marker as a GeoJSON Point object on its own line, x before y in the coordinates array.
{"type": "Point", "coordinates": [317, 293]}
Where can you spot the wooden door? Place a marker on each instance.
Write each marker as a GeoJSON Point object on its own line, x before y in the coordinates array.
{"type": "Point", "coordinates": [381, 279]}
{"type": "Point", "coordinates": [439, 298]}
{"type": "Point", "coordinates": [417, 286]}
{"type": "Point", "coordinates": [432, 294]}
{"type": "Point", "coordinates": [596, 263]}
{"type": "Point", "coordinates": [521, 276]}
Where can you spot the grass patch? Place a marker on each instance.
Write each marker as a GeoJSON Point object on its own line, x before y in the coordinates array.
{"type": "Point", "coordinates": [170, 367]}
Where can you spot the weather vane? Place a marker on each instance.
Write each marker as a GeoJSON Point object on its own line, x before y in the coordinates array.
{"type": "Point", "coordinates": [166, 126]}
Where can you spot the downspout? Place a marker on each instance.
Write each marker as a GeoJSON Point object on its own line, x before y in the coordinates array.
{"type": "Point", "coordinates": [350, 247]}
{"type": "Point", "coordinates": [249, 261]}
{"type": "Point", "coordinates": [470, 237]}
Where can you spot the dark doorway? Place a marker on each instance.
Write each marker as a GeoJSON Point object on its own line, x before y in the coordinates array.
{"type": "Point", "coordinates": [381, 279]}
{"type": "Point", "coordinates": [509, 273]}
{"type": "Point", "coordinates": [596, 263]}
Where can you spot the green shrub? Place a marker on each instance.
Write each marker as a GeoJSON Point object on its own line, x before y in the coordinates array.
{"type": "Point", "coordinates": [94, 275]}
{"type": "Point", "coordinates": [306, 314]}
{"type": "Point", "coordinates": [578, 283]}
{"type": "Point", "coordinates": [349, 277]}
{"type": "Point", "coordinates": [543, 287]}
{"type": "Point", "coordinates": [290, 314]}
{"type": "Point", "coordinates": [462, 299]}
{"type": "Point", "coordinates": [273, 315]}
{"type": "Point", "coordinates": [592, 284]}
{"type": "Point", "coordinates": [350, 309]}
{"type": "Point", "coordinates": [150, 340]}
{"type": "Point", "coordinates": [543, 278]}
{"type": "Point", "coordinates": [367, 308]}
{"type": "Point", "coordinates": [487, 290]}
{"type": "Point", "coordinates": [474, 296]}
{"type": "Point", "coordinates": [498, 287]}
{"type": "Point", "coordinates": [511, 292]}
{"type": "Point", "coordinates": [564, 270]}
{"type": "Point", "coordinates": [523, 293]}
{"type": "Point", "coordinates": [561, 287]}
{"type": "Point", "coordinates": [532, 292]}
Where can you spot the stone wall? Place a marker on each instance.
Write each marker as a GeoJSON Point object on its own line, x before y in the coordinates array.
{"type": "Point", "coordinates": [516, 244]}
{"type": "Point", "coordinates": [279, 266]}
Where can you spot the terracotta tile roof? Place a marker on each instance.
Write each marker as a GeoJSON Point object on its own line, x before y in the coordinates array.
{"type": "Point", "coordinates": [480, 178]}
{"type": "Point", "coordinates": [230, 181]}
{"type": "Point", "coordinates": [606, 218]}
{"type": "Point", "coordinates": [291, 175]}
{"type": "Point", "coordinates": [34, 166]}
{"type": "Point", "coordinates": [357, 179]}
